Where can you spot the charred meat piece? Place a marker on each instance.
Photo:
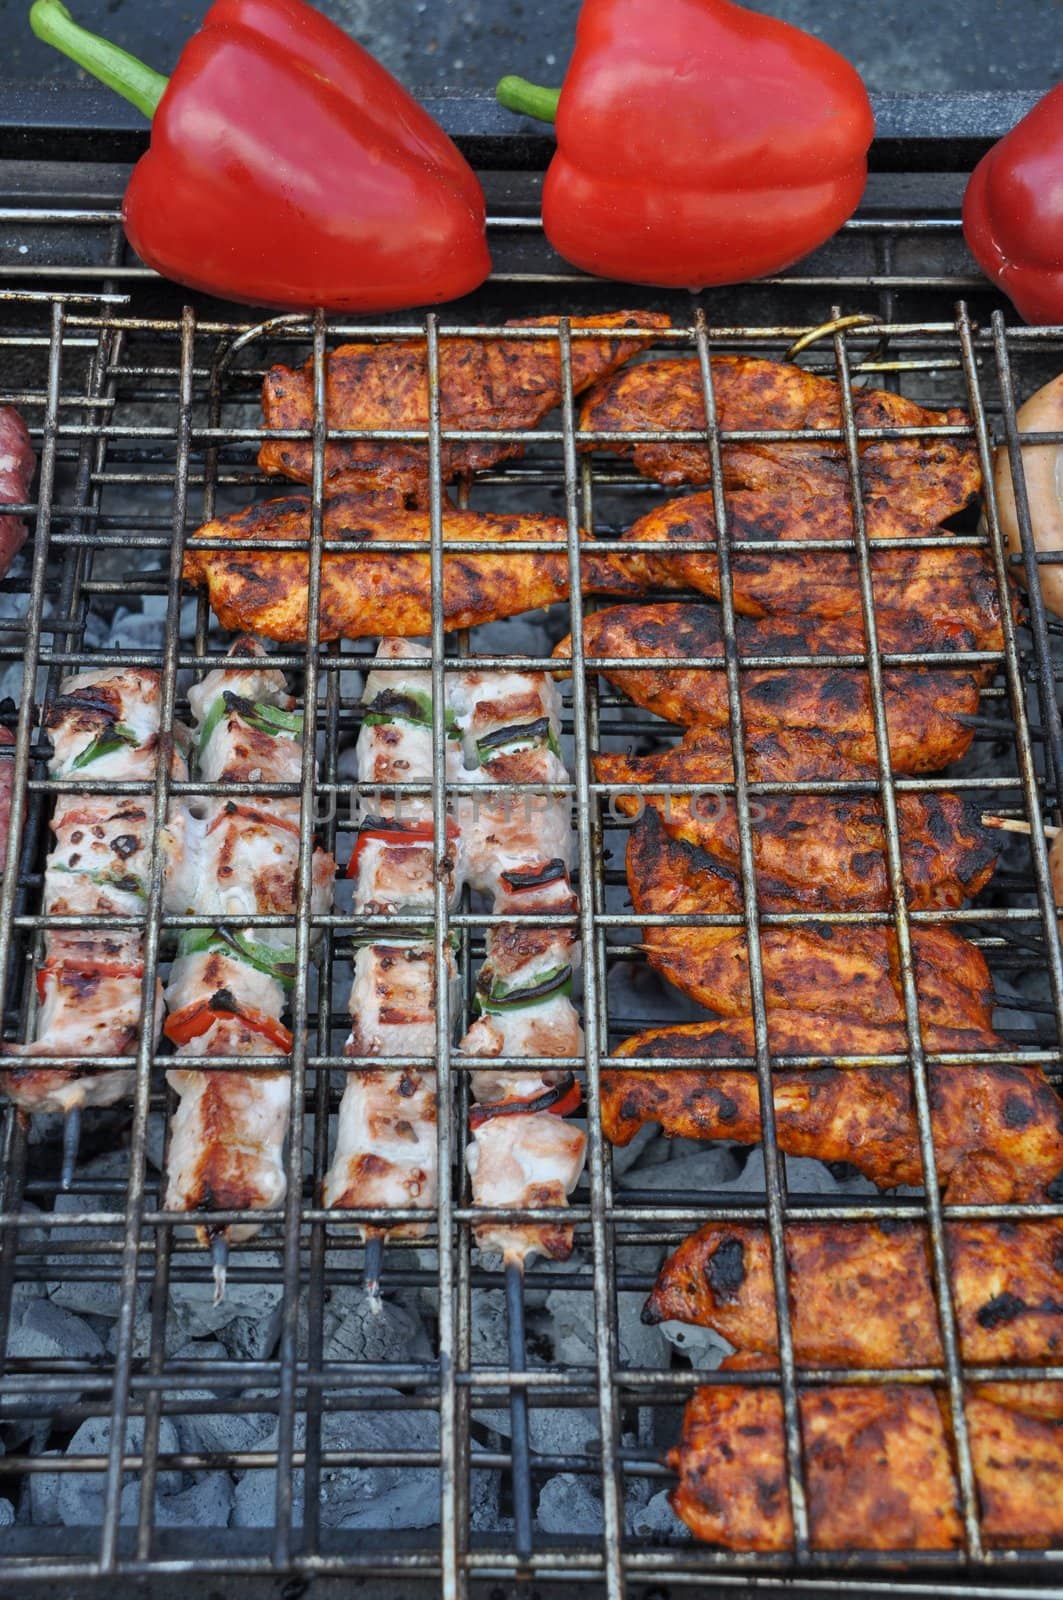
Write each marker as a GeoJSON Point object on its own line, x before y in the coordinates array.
{"type": "Point", "coordinates": [840, 968]}
{"type": "Point", "coordinates": [926, 478]}
{"type": "Point", "coordinates": [942, 586]}
{"type": "Point", "coordinates": [366, 592]}
{"type": "Point", "coordinates": [823, 852]}
{"type": "Point", "coordinates": [498, 383]}
{"type": "Point", "coordinates": [17, 466]}
{"type": "Point", "coordinates": [998, 1130]}
{"type": "Point", "coordinates": [862, 1295]}
{"type": "Point", "coordinates": [878, 1469]}
{"type": "Point", "coordinates": [924, 708]}
{"type": "Point", "coordinates": [104, 727]}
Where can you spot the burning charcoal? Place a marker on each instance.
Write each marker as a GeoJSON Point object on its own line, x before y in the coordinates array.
{"type": "Point", "coordinates": [353, 1331]}
{"type": "Point", "coordinates": [657, 1520]}
{"type": "Point", "coordinates": [647, 1149]}
{"type": "Point", "coordinates": [572, 1313]}
{"type": "Point", "coordinates": [247, 1321]}
{"type": "Point", "coordinates": [207, 1503]}
{"type": "Point", "coordinates": [88, 1298]}
{"type": "Point", "coordinates": [484, 1515]}
{"type": "Point", "coordinates": [702, 1346]}
{"type": "Point", "coordinates": [41, 1331]}
{"type": "Point", "coordinates": [80, 1496]}
{"type": "Point", "coordinates": [567, 1505]}
{"type": "Point", "coordinates": [210, 1428]}
{"type": "Point", "coordinates": [7, 1513]}
{"type": "Point", "coordinates": [712, 1166]}
{"type": "Point", "coordinates": [802, 1177]}
{"type": "Point", "coordinates": [40, 1497]}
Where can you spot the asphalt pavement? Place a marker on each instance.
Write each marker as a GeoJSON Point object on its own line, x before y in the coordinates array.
{"type": "Point", "coordinates": [917, 45]}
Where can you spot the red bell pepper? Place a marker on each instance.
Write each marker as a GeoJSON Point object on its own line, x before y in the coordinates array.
{"type": "Point", "coordinates": [398, 834]}
{"type": "Point", "coordinates": [559, 1099]}
{"type": "Point", "coordinates": [287, 167]}
{"type": "Point", "coordinates": [697, 143]}
{"type": "Point", "coordinates": [1013, 212]}
{"type": "Point", "coordinates": [201, 1015]}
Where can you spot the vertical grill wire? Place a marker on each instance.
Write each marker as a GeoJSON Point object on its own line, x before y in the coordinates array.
{"type": "Point", "coordinates": [774, 1162]}
{"type": "Point", "coordinates": [121, 457]}
{"type": "Point", "coordinates": [606, 1343]}
{"type": "Point", "coordinates": [912, 1019]}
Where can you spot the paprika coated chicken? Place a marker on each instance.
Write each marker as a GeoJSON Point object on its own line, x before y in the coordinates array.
{"type": "Point", "coordinates": [365, 593]}
{"type": "Point", "coordinates": [838, 968]}
{"type": "Point", "coordinates": [862, 1294]}
{"type": "Point", "coordinates": [925, 709]}
{"type": "Point", "coordinates": [998, 1130]}
{"type": "Point", "coordinates": [878, 1469]}
{"type": "Point", "coordinates": [499, 384]}
{"type": "Point", "coordinates": [925, 478]}
{"type": "Point", "coordinates": [825, 852]}
{"type": "Point", "coordinates": [941, 586]}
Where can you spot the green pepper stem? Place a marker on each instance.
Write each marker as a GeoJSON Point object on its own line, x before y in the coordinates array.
{"type": "Point", "coordinates": [52, 22]}
{"type": "Point", "coordinates": [530, 99]}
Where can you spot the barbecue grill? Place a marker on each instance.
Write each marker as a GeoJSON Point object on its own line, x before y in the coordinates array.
{"type": "Point", "coordinates": [144, 411]}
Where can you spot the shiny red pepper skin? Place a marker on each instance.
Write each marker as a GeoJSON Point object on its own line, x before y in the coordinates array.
{"type": "Point", "coordinates": [1013, 212]}
{"type": "Point", "coordinates": [288, 168]}
{"type": "Point", "coordinates": [700, 143]}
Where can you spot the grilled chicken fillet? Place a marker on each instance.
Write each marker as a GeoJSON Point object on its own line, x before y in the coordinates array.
{"type": "Point", "coordinates": [497, 383]}
{"type": "Point", "coordinates": [927, 478]}
{"type": "Point", "coordinates": [840, 968]}
{"type": "Point", "coordinates": [943, 586]}
{"type": "Point", "coordinates": [878, 1470]}
{"type": "Point", "coordinates": [862, 1295]}
{"type": "Point", "coordinates": [819, 851]}
{"type": "Point", "coordinates": [366, 592]}
{"type": "Point", "coordinates": [924, 708]}
{"type": "Point", "coordinates": [998, 1130]}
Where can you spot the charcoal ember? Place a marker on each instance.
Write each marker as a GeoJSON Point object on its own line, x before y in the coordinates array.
{"type": "Point", "coordinates": [41, 1331]}
{"type": "Point", "coordinates": [703, 1347]}
{"type": "Point", "coordinates": [391, 1498]}
{"type": "Point", "coordinates": [65, 1289]}
{"type": "Point", "coordinates": [692, 1169]}
{"type": "Point", "coordinates": [247, 1321]}
{"type": "Point", "coordinates": [484, 1513]}
{"type": "Point", "coordinates": [206, 1503]}
{"type": "Point", "coordinates": [568, 1505]}
{"type": "Point", "coordinates": [202, 1425]}
{"type": "Point", "coordinates": [647, 1149]}
{"type": "Point", "coordinates": [657, 1520]}
{"type": "Point", "coordinates": [40, 1496]}
{"type": "Point", "coordinates": [353, 1331]}
{"type": "Point", "coordinates": [571, 1313]}
{"type": "Point", "coordinates": [7, 1513]}
{"type": "Point", "coordinates": [803, 1176]}
{"type": "Point", "coordinates": [80, 1495]}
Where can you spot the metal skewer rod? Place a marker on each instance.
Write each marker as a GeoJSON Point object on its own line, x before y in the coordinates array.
{"type": "Point", "coordinates": [374, 1261]}
{"type": "Point", "coordinates": [219, 1255]}
{"type": "Point", "coordinates": [71, 1144]}
{"type": "Point", "coordinates": [520, 1445]}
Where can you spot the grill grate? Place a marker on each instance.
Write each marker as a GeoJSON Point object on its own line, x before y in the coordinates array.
{"type": "Point", "coordinates": [146, 425]}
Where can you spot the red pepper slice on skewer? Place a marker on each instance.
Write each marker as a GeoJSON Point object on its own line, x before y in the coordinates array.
{"type": "Point", "coordinates": [697, 143]}
{"type": "Point", "coordinates": [196, 1019]}
{"type": "Point", "coordinates": [1013, 212]}
{"type": "Point", "coordinates": [287, 167]}
{"type": "Point", "coordinates": [267, 818]}
{"type": "Point", "coordinates": [398, 834]}
{"type": "Point", "coordinates": [85, 972]}
{"type": "Point", "coordinates": [559, 1099]}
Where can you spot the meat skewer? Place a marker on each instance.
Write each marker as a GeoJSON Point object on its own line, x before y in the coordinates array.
{"type": "Point", "coordinates": [925, 478]}
{"type": "Point", "coordinates": [508, 384]}
{"type": "Point", "coordinates": [104, 727]}
{"type": "Point", "coordinates": [366, 592]}
{"type": "Point", "coordinates": [997, 1130]}
{"type": "Point", "coordinates": [17, 466]}
{"type": "Point", "coordinates": [878, 1470]}
{"type": "Point", "coordinates": [386, 1152]}
{"type": "Point", "coordinates": [227, 990]}
{"type": "Point", "coordinates": [517, 849]}
{"type": "Point", "coordinates": [927, 709]}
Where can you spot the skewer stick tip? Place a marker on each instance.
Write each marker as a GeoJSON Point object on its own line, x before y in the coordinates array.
{"type": "Point", "coordinates": [219, 1255]}
{"type": "Point", "coordinates": [374, 1262]}
{"type": "Point", "coordinates": [71, 1145]}
{"type": "Point", "coordinates": [1016, 825]}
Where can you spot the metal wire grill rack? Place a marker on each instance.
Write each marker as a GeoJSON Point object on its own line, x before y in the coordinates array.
{"type": "Point", "coordinates": [148, 424]}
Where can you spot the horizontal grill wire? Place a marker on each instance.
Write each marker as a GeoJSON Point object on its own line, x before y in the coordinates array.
{"type": "Point", "coordinates": [146, 428]}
